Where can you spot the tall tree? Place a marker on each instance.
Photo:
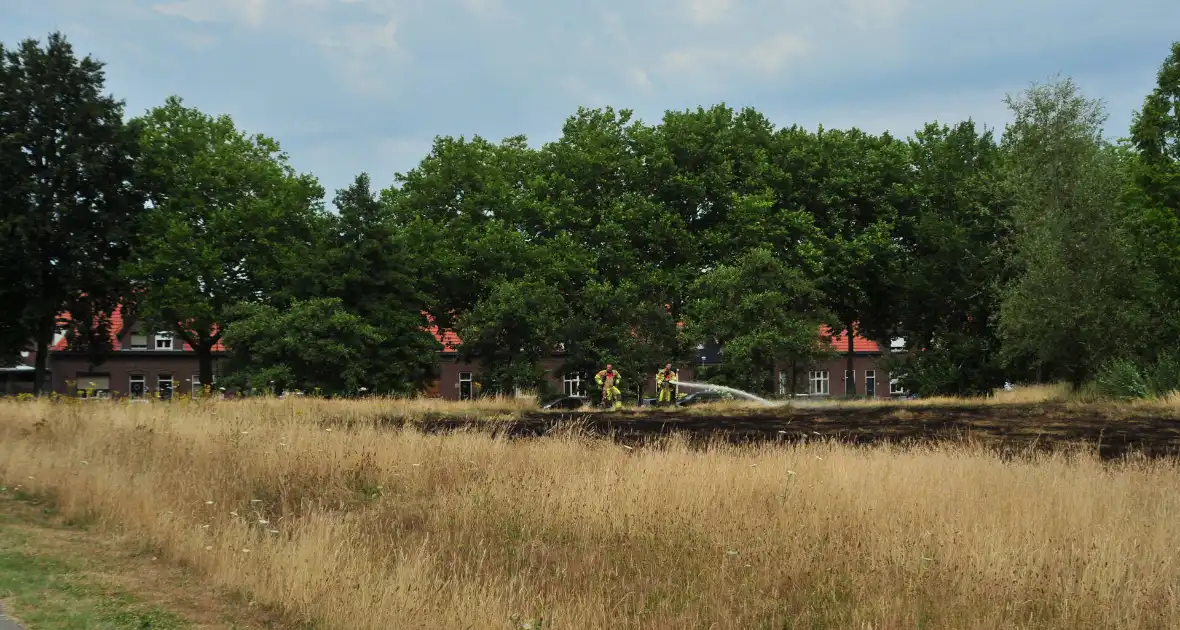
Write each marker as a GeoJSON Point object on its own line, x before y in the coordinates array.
{"type": "Point", "coordinates": [764, 313]}
{"type": "Point", "coordinates": [955, 247]}
{"type": "Point", "coordinates": [228, 217]}
{"type": "Point", "coordinates": [854, 185]}
{"type": "Point", "coordinates": [1079, 300]}
{"type": "Point", "coordinates": [68, 204]}
{"type": "Point", "coordinates": [469, 210]}
{"type": "Point", "coordinates": [1155, 131]}
{"type": "Point", "coordinates": [372, 271]}
{"type": "Point", "coordinates": [1155, 137]}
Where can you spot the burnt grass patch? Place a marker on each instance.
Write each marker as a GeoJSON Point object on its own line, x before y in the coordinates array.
{"type": "Point", "coordinates": [1110, 431]}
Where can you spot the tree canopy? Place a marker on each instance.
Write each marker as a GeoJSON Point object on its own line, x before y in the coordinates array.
{"type": "Point", "coordinates": [1045, 251]}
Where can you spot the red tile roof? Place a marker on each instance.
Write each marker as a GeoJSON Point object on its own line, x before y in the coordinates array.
{"type": "Point", "coordinates": [839, 340]}
{"type": "Point", "coordinates": [116, 328]}
{"type": "Point", "coordinates": [450, 340]}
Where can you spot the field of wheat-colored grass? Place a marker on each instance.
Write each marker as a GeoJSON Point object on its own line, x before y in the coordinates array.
{"type": "Point", "coordinates": [368, 528]}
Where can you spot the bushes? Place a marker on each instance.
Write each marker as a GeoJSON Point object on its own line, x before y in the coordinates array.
{"type": "Point", "coordinates": [1125, 378]}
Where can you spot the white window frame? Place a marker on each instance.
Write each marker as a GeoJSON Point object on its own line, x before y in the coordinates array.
{"type": "Point", "coordinates": [571, 384]}
{"type": "Point", "coordinates": [137, 378]}
{"type": "Point", "coordinates": [895, 387]}
{"type": "Point", "coordinates": [164, 341]}
{"type": "Point", "coordinates": [466, 377]}
{"type": "Point", "coordinates": [819, 383]}
{"type": "Point", "coordinates": [871, 375]}
{"type": "Point", "coordinates": [160, 380]}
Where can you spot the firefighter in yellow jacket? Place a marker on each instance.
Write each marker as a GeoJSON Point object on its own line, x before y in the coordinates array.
{"type": "Point", "coordinates": [609, 379]}
{"type": "Point", "coordinates": [665, 384]}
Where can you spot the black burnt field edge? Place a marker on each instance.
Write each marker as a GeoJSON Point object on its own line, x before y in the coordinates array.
{"type": "Point", "coordinates": [1112, 432]}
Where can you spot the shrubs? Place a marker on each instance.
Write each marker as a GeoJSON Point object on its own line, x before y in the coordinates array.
{"type": "Point", "coordinates": [1124, 378]}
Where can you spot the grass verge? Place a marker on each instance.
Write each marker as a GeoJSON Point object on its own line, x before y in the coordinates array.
{"type": "Point", "coordinates": [364, 528]}
{"type": "Point", "coordinates": [57, 577]}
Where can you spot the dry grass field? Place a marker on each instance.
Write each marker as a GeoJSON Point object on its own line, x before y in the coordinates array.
{"type": "Point", "coordinates": [371, 527]}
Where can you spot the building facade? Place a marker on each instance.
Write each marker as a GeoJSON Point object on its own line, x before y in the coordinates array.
{"type": "Point", "coordinates": [143, 363]}
{"type": "Point", "coordinates": [460, 380]}
{"type": "Point", "coordinates": [146, 363]}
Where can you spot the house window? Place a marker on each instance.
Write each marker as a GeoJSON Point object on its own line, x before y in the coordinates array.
{"type": "Point", "coordinates": [136, 386]}
{"type": "Point", "coordinates": [870, 383]}
{"type": "Point", "coordinates": [163, 341]}
{"type": "Point", "coordinates": [464, 385]}
{"type": "Point", "coordinates": [93, 386]}
{"type": "Point", "coordinates": [817, 383]}
{"type": "Point", "coordinates": [197, 390]}
{"type": "Point", "coordinates": [895, 386]}
{"type": "Point", "coordinates": [571, 384]}
{"type": "Point", "coordinates": [165, 387]}
{"type": "Point", "coordinates": [138, 341]}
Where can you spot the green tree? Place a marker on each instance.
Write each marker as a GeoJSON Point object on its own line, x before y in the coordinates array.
{"type": "Point", "coordinates": [1155, 131]}
{"type": "Point", "coordinates": [309, 345]}
{"type": "Point", "coordinates": [1155, 138]}
{"type": "Point", "coordinates": [625, 268]}
{"type": "Point", "coordinates": [511, 330]}
{"type": "Point", "coordinates": [229, 217]}
{"type": "Point", "coordinates": [625, 323]}
{"type": "Point", "coordinates": [854, 185]}
{"type": "Point", "coordinates": [469, 216]}
{"type": "Point", "coordinates": [764, 313]}
{"type": "Point", "coordinates": [68, 203]}
{"type": "Point", "coordinates": [1079, 300]}
{"type": "Point", "coordinates": [370, 267]}
{"type": "Point", "coordinates": [955, 253]}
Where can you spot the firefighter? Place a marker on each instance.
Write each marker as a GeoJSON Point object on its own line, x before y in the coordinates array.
{"type": "Point", "coordinates": [609, 379]}
{"type": "Point", "coordinates": [665, 384]}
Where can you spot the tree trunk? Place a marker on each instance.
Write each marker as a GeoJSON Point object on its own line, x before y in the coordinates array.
{"type": "Point", "coordinates": [849, 375]}
{"type": "Point", "coordinates": [44, 338]}
{"type": "Point", "coordinates": [205, 364]}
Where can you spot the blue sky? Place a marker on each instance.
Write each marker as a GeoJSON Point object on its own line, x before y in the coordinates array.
{"type": "Point", "coordinates": [364, 85]}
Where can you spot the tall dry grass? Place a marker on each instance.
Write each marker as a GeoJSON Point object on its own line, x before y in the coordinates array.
{"type": "Point", "coordinates": [366, 529]}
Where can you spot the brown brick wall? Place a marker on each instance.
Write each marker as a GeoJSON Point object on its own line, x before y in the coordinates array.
{"type": "Point", "coordinates": [835, 368]}
{"type": "Point", "coordinates": [120, 366]}
{"type": "Point", "coordinates": [448, 383]}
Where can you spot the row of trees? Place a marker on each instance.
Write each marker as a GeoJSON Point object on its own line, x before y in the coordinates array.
{"type": "Point", "coordinates": [1048, 253]}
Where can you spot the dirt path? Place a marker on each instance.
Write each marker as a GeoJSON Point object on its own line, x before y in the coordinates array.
{"type": "Point", "coordinates": [1112, 430]}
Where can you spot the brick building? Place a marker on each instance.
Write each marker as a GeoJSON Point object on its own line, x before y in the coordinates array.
{"type": "Point", "coordinates": [142, 363]}
{"type": "Point", "coordinates": [458, 380]}
{"type": "Point", "coordinates": [148, 363]}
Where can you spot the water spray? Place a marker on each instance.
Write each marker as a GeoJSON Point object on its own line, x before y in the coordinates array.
{"type": "Point", "coordinates": [722, 388]}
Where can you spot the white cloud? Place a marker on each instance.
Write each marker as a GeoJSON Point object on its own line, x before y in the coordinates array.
{"type": "Point", "coordinates": [767, 58]}
{"type": "Point", "coordinates": [493, 67]}
{"type": "Point", "coordinates": [704, 12]}
{"type": "Point", "coordinates": [875, 13]}
{"type": "Point", "coordinates": [639, 78]}
{"type": "Point", "coordinates": [247, 12]}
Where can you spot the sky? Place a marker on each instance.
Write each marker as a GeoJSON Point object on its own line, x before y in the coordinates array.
{"type": "Point", "coordinates": [365, 85]}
